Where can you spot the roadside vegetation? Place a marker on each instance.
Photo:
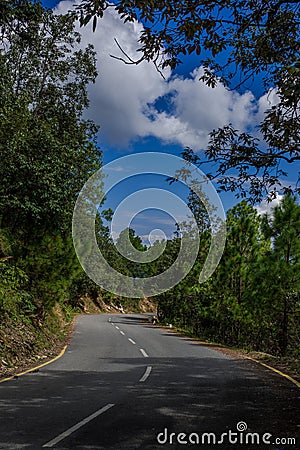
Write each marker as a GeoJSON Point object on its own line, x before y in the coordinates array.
{"type": "Point", "coordinates": [253, 298]}
{"type": "Point", "coordinates": [48, 150]}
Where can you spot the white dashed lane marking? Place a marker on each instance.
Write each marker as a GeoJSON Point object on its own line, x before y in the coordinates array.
{"type": "Point", "coordinates": [144, 353]}
{"type": "Point", "coordinates": [146, 374]}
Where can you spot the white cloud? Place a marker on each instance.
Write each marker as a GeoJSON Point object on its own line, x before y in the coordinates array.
{"type": "Point", "coordinates": [266, 102]}
{"type": "Point", "coordinates": [266, 207]}
{"type": "Point", "coordinates": [198, 109]}
{"type": "Point", "coordinates": [123, 97]}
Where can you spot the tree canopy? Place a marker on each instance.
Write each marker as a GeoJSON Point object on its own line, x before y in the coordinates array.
{"type": "Point", "coordinates": [234, 41]}
{"type": "Point", "coordinates": [47, 152]}
{"type": "Point", "coordinates": [252, 299]}
{"type": "Point", "coordinates": [47, 147]}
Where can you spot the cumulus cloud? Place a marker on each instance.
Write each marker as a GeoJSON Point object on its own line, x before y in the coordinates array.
{"type": "Point", "coordinates": [198, 109]}
{"type": "Point", "coordinates": [121, 93]}
{"type": "Point", "coordinates": [124, 97]}
{"type": "Point", "coordinates": [266, 207]}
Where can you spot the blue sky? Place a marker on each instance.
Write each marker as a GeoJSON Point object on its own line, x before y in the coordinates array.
{"type": "Point", "coordinates": [139, 111]}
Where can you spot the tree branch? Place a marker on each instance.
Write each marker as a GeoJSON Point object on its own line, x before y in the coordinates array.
{"type": "Point", "coordinates": [128, 59]}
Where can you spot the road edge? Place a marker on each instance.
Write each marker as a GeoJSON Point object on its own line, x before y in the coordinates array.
{"type": "Point", "coordinates": [33, 369]}
{"type": "Point", "coordinates": [242, 355]}
{"type": "Point", "coordinates": [285, 375]}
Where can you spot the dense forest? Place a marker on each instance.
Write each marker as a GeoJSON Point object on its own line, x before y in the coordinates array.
{"type": "Point", "coordinates": [252, 299]}
{"type": "Point", "coordinates": [48, 150]}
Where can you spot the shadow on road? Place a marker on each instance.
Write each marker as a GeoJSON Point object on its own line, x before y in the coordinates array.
{"type": "Point", "coordinates": [185, 395]}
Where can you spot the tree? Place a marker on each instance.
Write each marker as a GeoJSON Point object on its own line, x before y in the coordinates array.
{"type": "Point", "coordinates": [280, 270]}
{"type": "Point", "coordinates": [47, 147]}
{"type": "Point", "coordinates": [47, 150]}
{"type": "Point", "coordinates": [245, 35]}
{"type": "Point", "coordinates": [231, 287]}
{"type": "Point", "coordinates": [243, 244]}
{"type": "Point", "coordinates": [126, 245]}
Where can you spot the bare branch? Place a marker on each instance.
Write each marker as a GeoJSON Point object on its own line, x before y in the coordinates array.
{"type": "Point", "coordinates": [128, 59]}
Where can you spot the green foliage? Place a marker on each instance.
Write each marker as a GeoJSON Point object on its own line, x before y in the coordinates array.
{"type": "Point", "coordinates": [179, 27]}
{"type": "Point", "coordinates": [126, 243]}
{"type": "Point", "coordinates": [48, 151]}
{"type": "Point", "coordinates": [47, 148]}
{"type": "Point", "coordinates": [252, 299]}
{"type": "Point", "coordinates": [15, 300]}
{"type": "Point", "coordinates": [279, 272]}
{"type": "Point", "coordinates": [52, 267]}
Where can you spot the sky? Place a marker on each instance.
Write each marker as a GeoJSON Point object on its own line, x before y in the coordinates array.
{"type": "Point", "coordinates": [140, 111]}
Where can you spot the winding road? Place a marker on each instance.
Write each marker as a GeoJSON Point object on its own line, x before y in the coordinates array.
{"type": "Point", "coordinates": [125, 384]}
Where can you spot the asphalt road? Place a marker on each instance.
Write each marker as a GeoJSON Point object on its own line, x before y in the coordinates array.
{"type": "Point", "coordinates": [124, 384]}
